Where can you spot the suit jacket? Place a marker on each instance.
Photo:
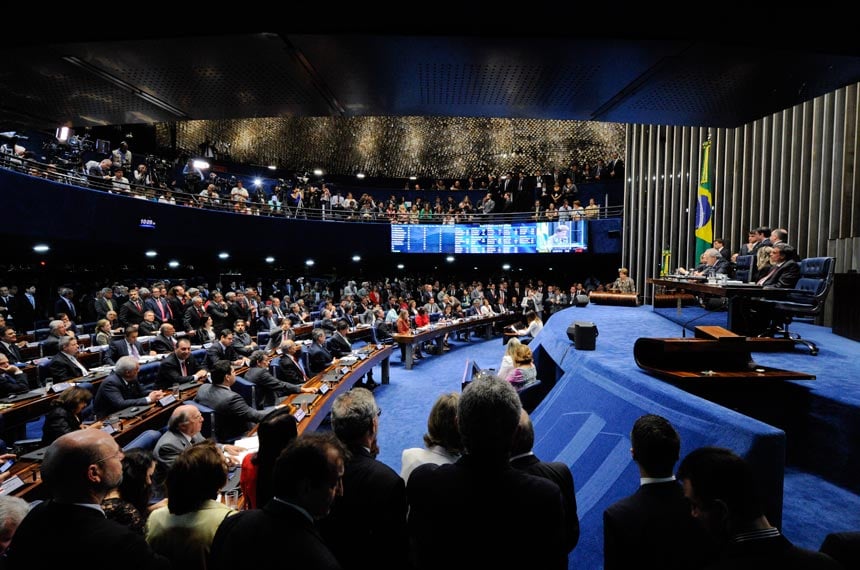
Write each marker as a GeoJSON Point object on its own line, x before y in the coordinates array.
{"type": "Point", "coordinates": [162, 345]}
{"type": "Point", "coordinates": [62, 368]}
{"type": "Point", "coordinates": [217, 352]}
{"type": "Point", "coordinates": [560, 474]}
{"type": "Point", "coordinates": [103, 541]}
{"type": "Point", "coordinates": [129, 314]}
{"type": "Point", "coordinates": [157, 306]}
{"type": "Point", "coordinates": [147, 328]}
{"type": "Point", "coordinates": [13, 383]}
{"type": "Point", "coordinates": [289, 371]}
{"type": "Point", "coordinates": [26, 314]}
{"type": "Point", "coordinates": [268, 387]}
{"type": "Point", "coordinates": [12, 352]}
{"type": "Point", "coordinates": [101, 307]}
{"type": "Point", "coordinates": [233, 417]}
{"type": "Point", "coordinates": [318, 359]}
{"type": "Point", "coordinates": [171, 444]}
{"type": "Point", "coordinates": [194, 318]}
{"type": "Point", "coordinates": [119, 348]}
{"type": "Point", "coordinates": [785, 276]}
{"type": "Point", "coordinates": [115, 394]}
{"type": "Point", "coordinates": [653, 529]}
{"type": "Point", "coordinates": [721, 267]}
{"type": "Point", "coordinates": [448, 502]}
{"type": "Point", "coordinates": [60, 306]}
{"type": "Point", "coordinates": [220, 316]}
{"type": "Point", "coordinates": [275, 530]}
{"type": "Point", "coordinates": [338, 346]}
{"type": "Point", "coordinates": [773, 552]}
{"type": "Point", "coordinates": [170, 371]}
{"type": "Point", "coordinates": [59, 421]}
{"type": "Point", "coordinates": [277, 337]}
{"type": "Point", "coordinates": [372, 510]}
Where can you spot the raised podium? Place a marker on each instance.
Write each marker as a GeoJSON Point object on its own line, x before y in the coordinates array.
{"type": "Point", "coordinates": [706, 359]}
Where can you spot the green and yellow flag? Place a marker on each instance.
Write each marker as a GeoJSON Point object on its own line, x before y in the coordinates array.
{"type": "Point", "coordinates": [704, 205]}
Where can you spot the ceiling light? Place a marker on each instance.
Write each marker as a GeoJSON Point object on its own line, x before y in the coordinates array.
{"type": "Point", "coordinates": [360, 175]}
{"type": "Point", "coordinates": [223, 255]}
{"type": "Point", "coordinates": [309, 262]}
{"type": "Point", "coordinates": [506, 266]}
{"type": "Point", "coordinates": [272, 167]}
{"type": "Point", "coordinates": [41, 247]}
{"type": "Point", "coordinates": [356, 258]}
{"type": "Point", "coordinates": [151, 253]}
{"type": "Point", "coordinates": [400, 266]}
{"type": "Point", "coordinates": [201, 164]}
{"type": "Point", "coordinates": [318, 172]}
{"type": "Point", "coordinates": [450, 259]}
{"type": "Point", "coordinates": [270, 259]}
{"type": "Point", "coordinates": [173, 264]}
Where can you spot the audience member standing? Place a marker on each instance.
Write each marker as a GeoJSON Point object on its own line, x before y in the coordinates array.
{"type": "Point", "coordinates": [653, 528]}
{"type": "Point", "coordinates": [721, 489]}
{"type": "Point", "coordinates": [372, 511]}
{"type": "Point", "coordinates": [441, 442]}
{"type": "Point", "coordinates": [485, 499]}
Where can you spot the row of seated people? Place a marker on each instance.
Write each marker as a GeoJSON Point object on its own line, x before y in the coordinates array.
{"type": "Point", "coordinates": [323, 498]}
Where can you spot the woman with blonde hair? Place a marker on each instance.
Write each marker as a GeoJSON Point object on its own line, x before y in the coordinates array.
{"type": "Point", "coordinates": [524, 371]}
{"type": "Point", "coordinates": [507, 365]}
{"type": "Point", "coordinates": [442, 443]}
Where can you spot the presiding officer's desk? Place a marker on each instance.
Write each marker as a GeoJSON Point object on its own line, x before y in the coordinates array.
{"type": "Point", "coordinates": [735, 292]}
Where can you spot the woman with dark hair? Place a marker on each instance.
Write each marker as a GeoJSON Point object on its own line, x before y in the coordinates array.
{"type": "Point", "coordinates": [206, 332]}
{"type": "Point", "coordinates": [128, 504]}
{"type": "Point", "coordinates": [64, 416]}
{"type": "Point", "coordinates": [183, 531]}
{"type": "Point", "coordinates": [275, 432]}
{"type": "Point", "coordinates": [534, 326]}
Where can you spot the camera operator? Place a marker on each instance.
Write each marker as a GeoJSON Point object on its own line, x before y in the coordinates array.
{"type": "Point", "coordinates": [142, 177]}
{"type": "Point", "coordinates": [193, 176]}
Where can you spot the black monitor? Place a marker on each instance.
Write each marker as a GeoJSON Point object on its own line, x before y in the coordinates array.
{"type": "Point", "coordinates": [469, 373]}
{"type": "Point", "coordinates": [102, 146]}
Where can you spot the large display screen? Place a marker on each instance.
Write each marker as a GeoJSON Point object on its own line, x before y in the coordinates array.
{"type": "Point", "coordinates": [538, 237]}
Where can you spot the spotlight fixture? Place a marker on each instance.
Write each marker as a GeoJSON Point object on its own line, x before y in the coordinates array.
{"type": "Point", "coordinates": [41, 248]}
{"type": "Point", "coordinates": [506, 267]}
{"type": "Point", "coordinates": [413, 178]}
{"type": "Point", "coordinates": [173, 264]}
{"type": "Point", "coordinates": [360, 175]}
{"type": "Point", "coordinates": [223, 255]}
{"type": "Point", "coordinates": [63, 134]}
{"type": "Point", "coordinates": [270, 259]}
{"type": "Point", "coordinates": [356, 258]}
{"type": "Point", "coordinates": [400, 266]}
{"type": "Point", "coordinates": [258, 182]}
{"type": "Point", "coordinates": [309, 262]}
{"type": "Point", "coordinates": [450, 259]}
{"type": "Point", "coordinates": [272, 167]}
{"type": "Point", "coordinates": [151, 253]}
{"type": "Point", "coordinates": [201, 164]}
{"type": "Point", "coordinates": [318, 172]}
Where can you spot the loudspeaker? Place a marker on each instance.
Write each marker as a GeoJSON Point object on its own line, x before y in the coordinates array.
{"type": "Point", "coordinates": [580, 300]}
{"type": "Point", "coordinates": [583, 335]}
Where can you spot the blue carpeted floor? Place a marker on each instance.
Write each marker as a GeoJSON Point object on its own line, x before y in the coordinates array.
{"type": "Point", "coordinates": [821, 418]}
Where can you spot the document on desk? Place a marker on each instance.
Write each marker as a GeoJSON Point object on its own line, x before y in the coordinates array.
{"type": "Point", "coordinates": [251, 445]}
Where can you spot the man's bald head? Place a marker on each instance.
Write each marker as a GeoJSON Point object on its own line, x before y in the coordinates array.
{"type": "Point", "coordinates": [79, 466]}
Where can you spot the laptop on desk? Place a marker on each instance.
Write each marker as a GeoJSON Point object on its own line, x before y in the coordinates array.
{"type": "Point", "coordinates": [35, 455]}
{"type": "Point", "coordinates": [37, 393]}
{"type": "Point", "coordinates": [130, 412]}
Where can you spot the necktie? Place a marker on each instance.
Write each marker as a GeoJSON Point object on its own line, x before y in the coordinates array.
{"type": "Point", "coordinates": [32, 300]}
{"type": "Point", "coordinates": [766, 277]}
{"type": "Point", "coordinates": [184, 369]}
{"type": "Point", "coordinates": [132, 350]}
{"type": "Point", "coordinates": [302, 368]}
{"type": "Point", "coordinates": [137, 305]}
{"type": "Point", "coordinates": [80, 366]}
{"type": "Point", "coordinates": [158, 303]}
{"type": "Point", "coordinates": [109, 304]}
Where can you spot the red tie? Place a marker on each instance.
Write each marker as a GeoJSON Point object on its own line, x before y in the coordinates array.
{"type": "Point", "coordinates": [137, 305]}
{"type": "Point", "coordinates": [184, 370]}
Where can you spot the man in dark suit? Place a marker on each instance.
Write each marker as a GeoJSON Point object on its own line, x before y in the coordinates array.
{"type": "Point", "coordinates": [65, 365]}
{"type": "Point", "coordinates": [448, 502]}
{"type": "Point", "coordinates": [723, 495]}
{"type": "Point", "coordinates": [318, 357]}
{"type": "Point", "coordinates": [12, 380]}
{"type": "Point", "coordinates": [290, 367]}
{"type": "Point", "coordinates": [65, 304]}
{"type": "Point", "coordinates": [183, 430]}
{"type": "Point", "coordinates": [126, 346]}
{"type": "Point", "coordinates": [7, 304]}
{"type": "Point", "coordinates": [158, 305]}
{"type": "Point", "coordinates": [524, 459]}
{"type": "Point", "coordinates": [653, 527]}
{"type": "Point", "coordinates": [278, 338]}
{"type": "Point", "coordinates": [80, 469]}
{"type": "Point", "coordinates": [131, 312]}
{"type": "Point", "coordinates": [338, 345]}
{"type": "Point", "coordinates": [223, 350]}
{"type": "Point", "coordinates": [9, 344]}
{"type": "Point", "coordinates": [105, 303]}
{"type": "Point", "coordinates": [233, 416]}
{"type": "Point", "coordinates": [27, 310]}
{"type": "Point", "coordinates": [269, 388]}
{"type": "Point", "coordinates": [179, 367]}
{"type": "Point", "coordinates": [165, 341]}
{"type": "Point", "coordinates": [374, 496]}
{"type": "Point", "coordinates": [242, 341]}
{"type": "Point", "coordinates": [219, 311]}
{"type": "Point", "coordinates": [122, 390]}
{"type": "Point", "coordinates": [785, 271]}
{"type": "Point", "coordinates": [195, 315]}
{"type": "Point", "coordinates": [307, 479]}
{"type": "Point", "coordinates": [720, 245]}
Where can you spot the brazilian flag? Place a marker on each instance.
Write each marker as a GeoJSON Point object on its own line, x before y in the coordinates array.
{"type": "Point", "coordinates": [704, 205]}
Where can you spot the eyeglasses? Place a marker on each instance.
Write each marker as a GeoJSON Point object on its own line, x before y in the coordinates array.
{"type": "Point", "coordinates": [119, 454]}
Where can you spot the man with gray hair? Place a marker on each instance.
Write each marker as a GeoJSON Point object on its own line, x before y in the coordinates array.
{"type": "Point", "coordinates": [481, 496]}
{"type": "Point", "coordinates": [105, 304]}
{"type": "Point", "coordinates": [183, 430]}
{"type": "Point", "coordinates": [80, 469]}
{"type": "Point", "coordinates": [715, 264]}
{"type": "Point", "coordinates": [12, 512]}
{"type": "Point", "coordinates": [58, 331]}
{"type": "Point", "coordinates": [372, 509]}
{"type": "Point", "coordinates": [121, 389]}
{"type": "Point", "coordinates": [319, 358]}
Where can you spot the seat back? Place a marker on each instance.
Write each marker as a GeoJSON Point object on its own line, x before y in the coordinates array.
{"type": "Point", "coordinates": [208, 418]}
{"type": "Point", "coordinates": [743, 267]}
{"type": "Point", "coordinates": [146, 440]}
{"type": "Point", "coordinates": [246, 389]}
{"type": "Point", "coordinates": [816, 278]}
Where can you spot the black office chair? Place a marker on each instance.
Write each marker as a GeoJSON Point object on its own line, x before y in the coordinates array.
{"type": "Point", "coordinates": [807, 300]}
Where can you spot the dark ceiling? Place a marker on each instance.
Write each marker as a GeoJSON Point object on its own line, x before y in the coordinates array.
{"type": "Point", "coordinates": [679, 81]}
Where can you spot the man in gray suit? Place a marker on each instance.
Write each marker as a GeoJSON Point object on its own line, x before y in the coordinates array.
{"type": "Point", "coordinates": [233, 416]}
{"type": "Point", "coordinates": [105, 303]}
{"type": "Point", "coordinates": [183, 429]}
